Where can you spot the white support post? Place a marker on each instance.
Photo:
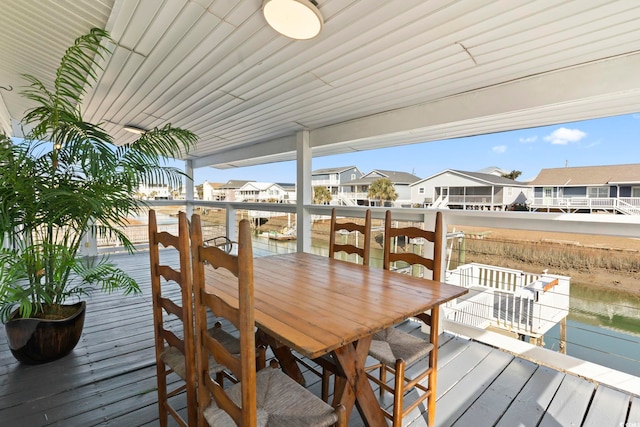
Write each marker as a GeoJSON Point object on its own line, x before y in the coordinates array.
{"type": "Point", "coordinates": [303, 191]}
{"type": "Point", "coordinates": [189, 186]}
{"type": "Point", "coordinates": [230, 220]}
{"type": "Point", "coordinates": [88, 245]}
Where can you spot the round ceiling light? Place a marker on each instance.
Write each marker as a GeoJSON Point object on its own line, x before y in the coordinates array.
{"type": "Point", "coordinates": [296, 19]}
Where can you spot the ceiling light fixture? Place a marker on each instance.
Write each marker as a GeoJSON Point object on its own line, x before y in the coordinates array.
{"type": "Point", "coordinates": [134, 129]}
{"type": "Point", "coordinates": [296, 19]}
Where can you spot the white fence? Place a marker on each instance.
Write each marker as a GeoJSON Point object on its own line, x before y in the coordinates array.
{"type": "Point", "coordinates": [512, 300]}
{"type": "Point", "coordinates": [627, 205]}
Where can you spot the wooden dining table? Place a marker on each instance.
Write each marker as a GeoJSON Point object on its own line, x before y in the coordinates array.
{"type": "Point", "coordinates": [317, 305]}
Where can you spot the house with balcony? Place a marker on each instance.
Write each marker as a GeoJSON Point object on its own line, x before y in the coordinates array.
{"type": "Point", "coordinates": [271, 192]}
{"type": "Point", "coordinates": [331, 178]}
{"type": "Point", "coordinates": [356, 191]}
{"type": "Point", "coordinates": [456, 189]}
{"type": "Point", "coordinates": [588, 189]}
{"type": "Point", "coordinates": [154, 191]}
{"type": "Point", "coordinates": [222, 192]}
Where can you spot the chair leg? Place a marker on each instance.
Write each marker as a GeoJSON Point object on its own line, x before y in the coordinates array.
{"type": "Point", "coordinates": [261, 358]}
{"type": "Point", "coordinates": [220, 378]}
{"type": "Point", "coordinates": [383, 378]}
{"type": "Point", "coordinates": [398, 394]}
{"type": "Point", "coordinates": [326, 376]}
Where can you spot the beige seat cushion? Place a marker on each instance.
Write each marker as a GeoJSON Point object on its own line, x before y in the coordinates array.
{"type": "Point", "coordinates": [175, 359]}
{"type": "Point", "coordinates": [391, 344]}
{"type": "Point", "coordinates": [282, 402]}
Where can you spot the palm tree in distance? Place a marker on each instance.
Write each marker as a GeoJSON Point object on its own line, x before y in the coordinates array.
{"type": "Point", "coordinates": [514, 174]}
{"type": "Point", "coordinates": [382, 189]}
{"type": "Point", "coordinates": [321, 195]}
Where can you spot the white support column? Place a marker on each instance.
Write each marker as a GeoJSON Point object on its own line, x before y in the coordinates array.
{"type": "Point", "coordinates": [303, 191]}
{"type": "Point", "coordinates": [231, 227]}
{"type": "Point", "coordinates": [88, 245]}
{"type": "Point", "coordinates": [189, 186]}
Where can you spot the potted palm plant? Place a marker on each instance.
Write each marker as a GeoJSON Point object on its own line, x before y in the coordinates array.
{"type": "Point", "coordinates": [65, 180]}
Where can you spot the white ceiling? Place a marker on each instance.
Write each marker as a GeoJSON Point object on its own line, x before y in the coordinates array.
{"type": "Point", "coordinates": [382, 72]}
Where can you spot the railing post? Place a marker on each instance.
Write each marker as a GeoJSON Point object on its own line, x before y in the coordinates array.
{"type": "Point", "coordinates": [230, 223]}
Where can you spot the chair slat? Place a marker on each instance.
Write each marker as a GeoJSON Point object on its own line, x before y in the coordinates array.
{"type": "Point", "coordinates": [166, 339]}
{"type": "Point", "coordinates": [387, 343]}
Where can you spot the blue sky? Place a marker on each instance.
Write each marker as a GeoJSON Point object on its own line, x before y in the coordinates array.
{"type": "Point", "coordinates": [607, 141]}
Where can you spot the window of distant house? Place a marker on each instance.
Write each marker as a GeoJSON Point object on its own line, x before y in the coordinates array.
{"type": "Point", "coordinates": [353, 176]}
{"type": "Point", "coordinates": [597, 192]}
{"type": "Point", "coordinates": [635, 191]}
{"type": "Point", "coordinates": [421, 190]}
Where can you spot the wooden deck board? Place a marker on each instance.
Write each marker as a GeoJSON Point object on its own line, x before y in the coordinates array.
{"type": "Point", "coordinates": [109, 379]}
{"type": "Point", "coordinates": [608, 408]}
{"type": "Point", "coordinates": [495, 400]}
{"type": "Point", "coordinates": [456, 401]}
{"type": "Point", "coordinates": [634, 412]}
{"type": "Point", "coordinates": [569, 404]}
{"type": "Point", "coordinates": [531, 403]}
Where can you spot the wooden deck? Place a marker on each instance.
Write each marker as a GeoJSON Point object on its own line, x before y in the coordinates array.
{"type": "Point", "coordinates": [109, 379]}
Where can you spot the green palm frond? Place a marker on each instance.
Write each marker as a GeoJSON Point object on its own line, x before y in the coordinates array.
{"type": "Point", "coordinates": [77, 71]}
{"type": "Point", "coordinates": [67, 178]}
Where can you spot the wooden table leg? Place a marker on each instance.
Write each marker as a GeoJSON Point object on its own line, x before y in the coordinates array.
{"type": "Point", "coordinates": [283, 353]}
{"type": "Point", "coordinates": [357, 388]}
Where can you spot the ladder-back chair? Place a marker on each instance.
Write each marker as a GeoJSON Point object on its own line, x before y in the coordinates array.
{"type": "Point", "coordinates": [173, 322]}
{"type": "Point", "coordinates": [174, 331]}
{"type": "Point", "coordinates": [267, 395]}
{"type": "Point", "coordinates": [396, 350]}
{"type": "Point", "coordinates": [362, 235]}
{"type": "Point", "coordinates": [363, 230]}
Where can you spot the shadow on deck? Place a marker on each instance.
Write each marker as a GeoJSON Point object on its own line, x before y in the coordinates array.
{"type": "Point", "coordinates": [109, 379]}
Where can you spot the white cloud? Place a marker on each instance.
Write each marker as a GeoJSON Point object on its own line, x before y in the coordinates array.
{"type": "Point", "coordinates": [499, 148]}
{"type": "Point", "coordinates": [529, 139]}
{"type": "Point", "coordinates": [563, 136]}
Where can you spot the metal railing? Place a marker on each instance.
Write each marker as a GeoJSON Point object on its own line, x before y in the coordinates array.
{"type": "Point", "coordinates": [589, 330]}
{"type": "Point", "coordinates": [627, 205]}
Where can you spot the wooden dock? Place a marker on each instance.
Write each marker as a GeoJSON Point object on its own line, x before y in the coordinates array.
{"type": "Point", "coordinates": [109, 379]}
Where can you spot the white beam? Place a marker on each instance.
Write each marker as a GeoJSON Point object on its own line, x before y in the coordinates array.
{"type": "Point", "coordinates": [542, 92]}
{"type": "Point", "coordinates": [593, 90]}
{"type": "Point", "coordinates": [303, 192]}
{"type": "Point", "coordinates": [265, 152]}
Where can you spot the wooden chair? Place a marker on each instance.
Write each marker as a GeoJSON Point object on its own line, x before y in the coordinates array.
{"type": "Point", "coordinates": [396, 350]}
{"type": "Point", "coordinates": [349, 248]}
{"type": "Point", "coordinates": [261, 396]}
{"type": "Point", "coordinates": [174, 331]}
{"type": "Point", "coordinates": [326, 363]}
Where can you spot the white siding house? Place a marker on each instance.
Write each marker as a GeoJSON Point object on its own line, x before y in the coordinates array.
{"type": "Point", "coordinates": [266, 192]}
{"type": "Point", "coordinates": [469, 190]}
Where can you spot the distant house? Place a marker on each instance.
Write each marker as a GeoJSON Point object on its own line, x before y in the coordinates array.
{"type": "Point", "coordinates": [332, 178]}
{"type": "Point", "coordinates": [222, 192]}
{"type": "Point", "coordinates": [154, 191]}
{"type": "Point", "coordinates": [456, 189]}
{"type": "Point", "coordinates": [266, 192]}
{"type": "Point", "coordinates": [613, 189]}
{"type": "Point", "coordinates": [356, 190]}
{"type": "Point", "coordinates": [212, 191]}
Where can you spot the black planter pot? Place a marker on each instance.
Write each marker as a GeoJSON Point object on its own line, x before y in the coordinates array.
{"type": "Point", "coordinates": [35, 341]}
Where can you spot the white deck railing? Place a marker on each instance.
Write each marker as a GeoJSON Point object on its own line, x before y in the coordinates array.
{"type": "Point", "coordinates": [602, 225]}
{"type": "Point", "coordinates": [627, 205]}
{"type": "Point", "coordinates": [511, 300]}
